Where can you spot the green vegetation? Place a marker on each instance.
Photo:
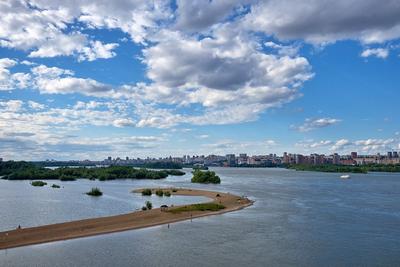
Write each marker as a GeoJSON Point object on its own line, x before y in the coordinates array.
{"type": "Point", "coordinates": [55, 186]}
{"type": "Point", "coordinates": [95, 192]}
{"type": "Point", "coordinates": [144, 208]}
{"type": "Point", "coordinates": [159, 192]}
{"type": "Point", "coordinates": [174, 190]}
{"type": "Point", "coordinates": [38, 183]}
{"type": "Point", "coordinates": [20, 170]}
{"type": "Point", "coordinates": [146, 192]}
{"type": "Point", "coordinates": [149, 205]}
{"type": "Point", "coordinates": [205, 177]}
{"type": "Point", "coordinates": [167, 193]}
{"type": "Point", "coordinates": [198, 207]}
{"type": "Point", "coordinates": [347, 169]}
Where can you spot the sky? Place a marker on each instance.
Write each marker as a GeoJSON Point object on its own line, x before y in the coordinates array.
{"type": "Point", "coordinates": [85, 79]}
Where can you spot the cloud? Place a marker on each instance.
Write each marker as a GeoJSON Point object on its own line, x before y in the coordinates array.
{"type": "Point", "coordinates": [10, 81]}
{"type": "Point", "coordinates": [55, 132]}
{"type": "Point", "coordinates": [123, 122]}
{"type": "Point", "coordinates": [286, 50]}
{"type": "Point", "coordinates": [35, 105]}
{"type": "Point", "coordinates": [220, 70]}
{"type": "Point", "coordinates": [326, 21]}
{"type": "Point", "coordinates": [340, 145]}
{"type": "Point", "coordinates": [367, 146]}
{"type": "Point", "coordinates": [42, 29]}
{"type": "Point", "coordinates": [311, 145]}
{"type": "Point", "coordinates": [53, 80]}
{"type": "Point", "coordinates": [11, 105]}
{"type": "Point", "coordinates": [210, 62]}
{"type": "Point", "coordinates": [98, 50]}
{"type": "Point", "coordinates": [237, 146]}
{"type": "Point", "coordinates": [199, 15]}
{"type": "Point", "coordinates": [316, 123]}
{"type": "Point", "coordinates": [376, 52]}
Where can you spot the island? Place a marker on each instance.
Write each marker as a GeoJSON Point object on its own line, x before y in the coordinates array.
{"type": "Point", "coordinates": [221, 203]}
{"type": "Point", "coordinates": [205, 177]}
{"type": "Point", "coordinates": [94, 192]}
{"type": "Point", "coordinates": [21, 170]}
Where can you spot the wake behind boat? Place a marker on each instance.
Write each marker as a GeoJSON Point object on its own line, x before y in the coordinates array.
{"type": "Point", "coordinates": [345, 176]}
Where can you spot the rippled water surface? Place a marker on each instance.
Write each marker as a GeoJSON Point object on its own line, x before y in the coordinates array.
{"type": "Point", "coordinates": [299, 219]}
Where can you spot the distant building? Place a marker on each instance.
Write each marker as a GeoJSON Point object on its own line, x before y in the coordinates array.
{"type": "Point", "coordinates": [354, 155]}
{"type": "Point", "coordinates": [230, 159]}
{"type": "Point", "coordinates": [300, 159]}
{"type": "Point", "coordinates": [336, 159]}
{"type": "Point", "coordinates": [242, 159]}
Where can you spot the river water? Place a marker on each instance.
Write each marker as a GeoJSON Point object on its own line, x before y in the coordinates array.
{"type": "Point", "coordinates": [298, 219]}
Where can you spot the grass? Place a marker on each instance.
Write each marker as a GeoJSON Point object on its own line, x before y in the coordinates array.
{"type": "Point", "coordinates": [199, 207]}
{"type": "Point", "coordinates": [38, 183]}
{"type": "Point", "coordinates": [146, 192]}
{"type": "Point", "coordinates": [95, 192]}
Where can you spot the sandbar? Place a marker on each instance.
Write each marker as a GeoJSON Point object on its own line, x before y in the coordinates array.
{"type": "Point", "coordinates": [123, 222]}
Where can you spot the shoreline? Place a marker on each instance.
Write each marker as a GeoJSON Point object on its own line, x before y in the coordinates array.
{"type": "Point", "coordinates": [118, 223]}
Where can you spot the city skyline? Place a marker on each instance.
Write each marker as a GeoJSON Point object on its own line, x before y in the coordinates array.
{"type": "Point", "coordinates": [215, 77]}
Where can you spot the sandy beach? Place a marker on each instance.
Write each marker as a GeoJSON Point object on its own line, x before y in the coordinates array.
{"type": "Point", "coordinates": [123, 222]}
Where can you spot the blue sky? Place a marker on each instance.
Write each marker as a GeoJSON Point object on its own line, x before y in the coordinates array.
{"type": "Point", "coordinates": [88, 79]}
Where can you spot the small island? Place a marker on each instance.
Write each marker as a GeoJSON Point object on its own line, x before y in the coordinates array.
{"type": "Point", "coordinates": [95, 192]}
{"type": "Point", "coordinates": [205, 177]}
{"type": "Point", "coordinates": [38, 183]}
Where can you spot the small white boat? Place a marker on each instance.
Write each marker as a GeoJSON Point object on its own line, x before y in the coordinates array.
{"type": "Point", "coordinates": [346, 176]}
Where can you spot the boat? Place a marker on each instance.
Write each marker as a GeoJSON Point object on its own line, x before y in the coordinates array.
{"type": "Point", "coordinates": [346, 176]}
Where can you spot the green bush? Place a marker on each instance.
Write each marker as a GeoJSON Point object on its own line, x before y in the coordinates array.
{"type": "Point", "coordinates": [95, 192]}
{"type": "Point", "coordinates": [159, 192]}
{"type": "Point", "coordinates": [205, 177]}
{"type": "Point", "coordinates": [38, 183]}
{"type": "Point", "coordinates": [146, 192]}
{"type": "Point", "coordinates": [55, 186]}
{"type": "Point", "coordinates": [144, 208]}
{"type": "Point", "coordinates": [167, 193]}
{"type": "Point", "coordinates": [149, 205]}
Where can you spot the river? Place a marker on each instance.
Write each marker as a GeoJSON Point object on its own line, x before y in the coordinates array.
{"type": "Point", "coordinates": [298, 219]}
